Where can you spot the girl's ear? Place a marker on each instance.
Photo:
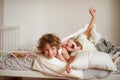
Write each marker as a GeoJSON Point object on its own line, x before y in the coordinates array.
{"type": "Point", "coordinates": [79, 48]}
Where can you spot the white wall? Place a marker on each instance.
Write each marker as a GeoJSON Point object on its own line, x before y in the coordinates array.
{"type": "Point", "coordinates": [36, 17]}
{"type": "Point", "coordinates": [1, 13]}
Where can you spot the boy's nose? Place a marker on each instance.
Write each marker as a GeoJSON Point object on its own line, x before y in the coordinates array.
{"type": "Point", "coordinates": [50, 51]}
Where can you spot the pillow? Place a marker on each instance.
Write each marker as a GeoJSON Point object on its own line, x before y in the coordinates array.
{"type": "Point", "coordinates": [54, 67]}
{"type": "Point", "coordinates": [93, 59]}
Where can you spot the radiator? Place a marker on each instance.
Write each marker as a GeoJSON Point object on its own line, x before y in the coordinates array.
{"type": "Point", "coordinates": [9, 38]}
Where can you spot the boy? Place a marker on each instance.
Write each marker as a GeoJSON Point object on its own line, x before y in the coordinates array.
{"type": "Point", "coordinates": [49, 45]}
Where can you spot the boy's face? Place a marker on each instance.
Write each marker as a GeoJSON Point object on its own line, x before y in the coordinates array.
{"type": "Point", "coordinates": [71, 46]}
{"type": "Point", "coordinates": [50, 51]}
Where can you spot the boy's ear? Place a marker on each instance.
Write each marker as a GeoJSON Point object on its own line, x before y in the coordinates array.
{"type": "Point", "coordinates": [39, 52]}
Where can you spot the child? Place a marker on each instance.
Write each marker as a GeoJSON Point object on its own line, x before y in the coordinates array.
{"type": "Point", "coordinates": [71, 45]}
{"type": "Point", "coordinates": [49, 45]}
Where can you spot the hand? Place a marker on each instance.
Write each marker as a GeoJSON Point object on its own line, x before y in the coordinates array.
{"type": "Point", "coordinates": [68, 69]}
{"type": "Point", "coordinates": [92, 12]}
{"type": "Point", "coordinates": [64, 43]}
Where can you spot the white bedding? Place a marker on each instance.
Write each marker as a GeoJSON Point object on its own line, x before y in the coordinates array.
{"type": "Point", "coordinates": [9, 61]}
{"type": "Point", "coordinates": [57, 68]}
{"type": "Point", "coordinates": [46, 69]}
{"type": "Point", "coordinates": [93, 59]}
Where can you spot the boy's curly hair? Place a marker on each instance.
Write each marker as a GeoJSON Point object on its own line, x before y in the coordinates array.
{"type": "Point", "coordinates": [49, 38]}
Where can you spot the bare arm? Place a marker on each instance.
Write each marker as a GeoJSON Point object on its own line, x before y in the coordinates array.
{"type": "Point", "coordinates": [68, 67]}
{"type": "Point", "coordinates": [91, 24]}
{"type": "Point", "coordinates": [60, 57]}
{"type": "Point", "coordinates": [65, 54]}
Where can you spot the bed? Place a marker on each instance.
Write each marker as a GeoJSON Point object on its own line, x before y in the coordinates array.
{"type": "Point", "coordinates": [9, 42]}
{"type": "Point", "coordinates": [13, 66]}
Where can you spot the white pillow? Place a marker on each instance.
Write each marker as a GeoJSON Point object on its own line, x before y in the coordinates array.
{"type": "Point", "coordinates": [54, 67]}
{"type": "Point", "coordinates": [93, 59]}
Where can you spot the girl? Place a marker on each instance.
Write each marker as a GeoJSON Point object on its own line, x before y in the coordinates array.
{"type": "Point", "coordinates": [71, 45]}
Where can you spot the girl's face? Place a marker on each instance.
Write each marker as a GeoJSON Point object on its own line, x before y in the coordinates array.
{"type": "Point", "coordinates": [50, 51]}
{"type": "Point", "coordinates": [71, 46]}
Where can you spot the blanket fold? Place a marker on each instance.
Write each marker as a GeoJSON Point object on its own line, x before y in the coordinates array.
{"type": "Point", "coordinates": [95, 35]}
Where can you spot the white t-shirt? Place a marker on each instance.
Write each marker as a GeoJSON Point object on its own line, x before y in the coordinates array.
{"type": "Point", "coordinates": [85, 42]}
{"type": "Point", "coordinates": [60, 50]}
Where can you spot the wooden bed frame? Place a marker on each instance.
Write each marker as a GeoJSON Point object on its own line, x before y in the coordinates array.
{"type": "Point", "coordinates": [39, 75]}
{"type": "Point", "coordinates": [28, 74]}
